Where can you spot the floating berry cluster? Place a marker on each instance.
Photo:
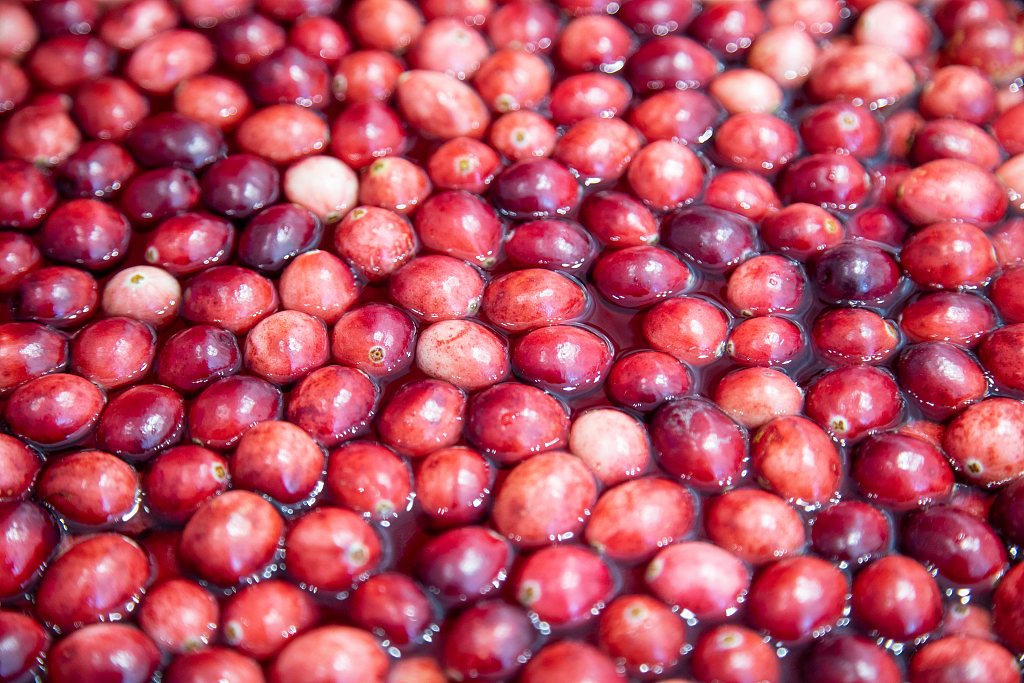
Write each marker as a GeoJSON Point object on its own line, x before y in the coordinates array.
{"type": "Point", "coordinates": [511, 341]}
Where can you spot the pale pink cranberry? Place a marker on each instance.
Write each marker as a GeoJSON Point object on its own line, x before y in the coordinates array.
{"type": "Point", "coordinates": [102, 650]}
{"type": "Point", "coordinates": [213, 547]}
{"type": "Point", "coordinates": [798, 597]}
{"type": "Point", "coordinates": [30, 536]}
{"type": "Point", "coordinates": [395, 184]}
{"type": "Point", "coordinates": [464, 565]}
{"type": "Point", "coordinates": [393, 606]}
{"type": "Point", "coordinates": [340, 648]}
{"type": "Point", "coordinates": [150, 295]}
{"type": "Point", "coordinates": [582, 96]}
{"type": "Point", "coordinates": [422, 417]}
{"type": "Point", "coordinates": [180, 616]}
{"type": "Point", "coordinates": [90, 488]}
{"type": "Point", "coordinates": [714, 239]}
{"type": "Point", "coordinates": [389, 25]}
{"type": "Point", "coordinates": [441, 107]}
{"type": "Point", "coordinates": [213, 664]}
{"type": "Point", "coordinates": [109, 108]}
{"type": "Point", "coordinates": [19, 33]}
{"type": "Point", "coordinates": [181, 479]}
{"type": "Point", "coordinates": [230, 297]}
{"type": "Point", "coordinates": [80, 588]}
{"type": "Point", "coordinates": [765, 341]}
{"type": "Point", "coordinates": [854, 336]}
{"type": "Point", "coordinates": [318, 284]}
{"type": "Point", "coordinates": [65, 62]}
{"type": "Point", "coordinates": [461, 225]}
{"type": "Point", "coordinates": [40, 135]}
{"type": "Point", "coordinates": [262, 618]}
{"type": "Point", "coordinates": [961, 92]}
{"type": "Point", "coordinates": [587, 359]}
{"type": "Point", "coordinates": [960, 547]}
{"type": "Point", "coordinates": [189, 243]}
{"type": "Point", "coordinates": [464, 353]}
{"type": "Point", "coordinates": [228, 407]}
{"type": "Point", "coordinates": [544, 500]}
{"type": "Point", "coordinates": [375, 241]}
{"type": "Point", "coordinates": [734, 653]}
{"type": "Point", "coordinates": [941, 378]}
{"type": "Point", "coordinates": [901, 472]}
{"type": "Point", "coordinates": [551, 243]}
{"type": "Point", "coordinates": [278, 459]}
{"type": "Point", "coordinates": [982, 442]}
{"type": "Point", "coordinates": [755, 525]}
{"type": "Point", "coordinates": [449, 46]}
{"type": "Point", "coordinates": [567, 658]}
{"type": "Point", "coordinates": [378, 339]}
{"type": "Point", "coordinates": [613, 444]}
{"type": "Point", "coordinates": [322, 37]}
{"type": "Point", "coordinates": [697, 442]}
{"type": "Point", "coordinates": [463, 164]}
{"type": "Point", "coordinates": [617, 220]}
{"type": "Point", "coordinates": [631, 521]}
{"type": "Point", "coordinates": [665, 175]}
{"type": "Point", "coordinates": [369, 479]}
{"type": "Point", "coordinates": [564, 585]}
{"type": "Point", "coordinates": [897, 597]}
{"type": "Point", "coordinates": [215, 100]}
{"type": "Point", "coordinates": [970, 621]}
{"type": "Point", "coordinates": [746, 90]}
{"type": "Point", "coordinates": [523, 25]}
{"type": "Point", "coordinates": [125, 26]}
{"type": "Point", "coordinates": [766, 284]}
{"type": "Point", "coordinates": [196, 356]}
{"type": "Point", "coordinates": [511, 422]}
{"type": "Point", "coordinates": [334, 404]}
{"type": "Point", "coordinates": [896, 26]}
{"type": "Point", "coordinates": [678, 576]}
{"type": "Point", "coordinates": [331, 549]}
{"type": "Point", "coordinates": [950, 189]}
{"type": "Point", "coordinates": [671, 62]}
{"type": "Point", "coordinates": [998, 356]}
{"type": "Point", "coordinates": [643, 634]}
{"type": "Point", "coordinates": [687, 117]}
{"type": "Point", "coordinates": [798, 460]}
{"type": "Point", "coordinates": [868, 73]}
{"type": "Point", "coordinates": [755, 396]}
{"type": "Point", "coordinates": [948, 316]}
{"type": "Point", "coordinates": [28, 351]}
{"type": "Point", "coordinates": [159, 64]}
{"type": "Point", "coordinates": [510, 80]}
{"type": "Point", "coordinates": [21, 467]}
{"type": "Point", "coordinates": [853, 401]}
{"type": "Point", "coordinates": [949, 256]}
{"type": "Point", "coordinates": [969, 659]}
{"type": "Point", "coordinates": [690, 329]}
{"type": "Point", "coordinates": [513, 301]}
{"type": "Point", "coordinates": [851, 532]}
{"type": "Point", "coordinates": [54, 411]}
{"type": "Point", "coordinates": [786, 53]}
{"type": "Point", "coordinates": [492, 639]}
{"type": "Point", "coordinates": [366, 76]}
{"type": "Point", "coordinates": [26, 195]}
{"type": "Point", "coordinates": [453, 486]}
{"type": "Point", "coordinates": [286, 346]}
{"type": "Point", "coordinates": [282, 133]}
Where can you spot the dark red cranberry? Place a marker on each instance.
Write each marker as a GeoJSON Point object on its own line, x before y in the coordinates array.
{"type": "Point", "coordinates": [798, 597]}
{"type": "Point", "coordinates": [366, 131]}
{"type": "Point", "coordinates": [333, 404]}
{"type": "Point", "coordinates": [714, 239]}
{"type": "Point", "coordinates": [180, 615]}
{"type": "Point", "coordinates": [322, 37]}
{"type": "Point", "coordinates": [489, 639]}
{"type": "Point", "coordinates": [279, 460]}
{"type": "Point", "coordinates": [58, 296]}
{"type": "Point", "coordinates": [877, 224]}
{"type": "Point", "coordinates": [646, 379]}
{"type": "Point", "coordinates": [855, 400]}
{"type": "Point", "coordinates": [159, 194]}
{"type": "Point", "coordinates": [114, 352]}
{"type": "Point", "coordinates": [289, 76]}
{"type": "Point", "coordinates": [851, 532]}
{"type": "Point", "coordinates": [556, 244]}
{"type": "Point", "coordinates": [536, 188]}
{"type": "Point", "coordinates": [229, 296]}
{"type": "Point", "coordinates": [88, 233]}
{"type": "Point", "coordinates": [855, 271]}
{"type": "Point", "coordinates": [850, 659]}
{"type": "Point", "coordinates": [854, 336]}
{"type": "Point", "coordinates": [941, 378]}
{"type": "Point", "coordinates": [671, 62]}
{"type": "Point", "coordinates": [54, 411]}
{"type": "Point", "coordinates": [21, 466]}
{"type": "Point", "coordinates": [27, 351]}
{"type": "Point", "coordinates": [460, 225]}
{"type": "Point", "coordinates": [567, 658]}
{"type": "Point", "coordinates": [1006, 612]}
{"type": "Point", "coordinates": [170, 139]}
{"type": "Point", "coordinates": [512, 421]}
{"type": "Point", "coordinates": [830, 180]}
{"type": "Point", "coordinates": [213, 664]}
{"type": "Point", "coordinates": [276, 235]}
{"type": "Point", "coordinates": [997, 354]}
{"type": "Point", "coordinates": [586, 362]}
{"type": "Point", "coordinates": [104, 651]}
{"type": "Point", "coordinates": [181, 479]}
{"type": "Point", "coordinates": [618, 220]}
{"type": "Point", "coordinates": [697, 442]}
{"type": "Point", "coordinates": [194, 357]}
{"type": "Point", "coordinates": [962, 548]}
{"type": "Point", "coordinates": [245, 41]}
{"type": "Point", "coordinates": [240, 185]}
{"type": "Point", "coordinates": [96, 169]}
{"type": "Point", "coordinates": [524, 25]}
{"type": "Point", "coordinates": [228, 407]}
{"type": "Point", "coordinates": [639, 276]}
{"type": "Point", "coordinates": [901, 472]}
{"type": "Point", "coordinates": [755, 525]}
{"type": "Point", "coordinates": [643, 634]}
{"type": "Point", "coordinates": [142, 421]}
{"type": "Point", "coordinates": [948, 316]}
{"type": "Point", "coordinates": [261, 619]}
{"type": "Point", "coordinates": [897, 597]}
{"type": "Point", "coordinates": [90, 488]}
{"type": "Point", "coordinates": [926, 196]}
{"type": "Point", "coordinates": [30, 536]}
{"type": "Point", "coordinates": [1005, 295]}
{"type": "Point", "coordinates": [466, 500]}
{"type": "Point", "coordinates": [378, 339]}
{"type": "Point", "coordinates": [949, 256]}
{"type": "Point", "coordinates": [109, 108]}
{"type": "Point", "coordinates": [26, 195]}
{"type": "Point", "coordinates": [464, 565]}
{"type": "Point", "coordinates": [734, 653]}
{"type": "Point", "coordinates": [394, 606]}
{"type": "Point", "coordinates": [728, 28]}
{"type": "Point", "coordinates": [65, 62]}
{"type": "Point", "coordinates": [1006, 513]}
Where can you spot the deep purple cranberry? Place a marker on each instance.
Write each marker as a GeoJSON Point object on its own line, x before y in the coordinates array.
{"type": "Point", "coordinates": [240, 185]}
{"type": "Point", "coordinates": [87, 233]}
{"type": "Point", "coordinates": [289, 76]}
{"type": "Point", "coordinates": [536, 188]}
{"type": "Point", "coordinates": [96, 170]}
{"type": "Point", "coordinates": [159, 194]}
{"type": "Point", "coordinates": [277, 235]}
{"type": "Point", "coordinates": [171, 139]}
{"type": "Point", "coordinates": [961, 547]}
{"type": "Point", "coordinates": [856, 271]}
{"type": "Point", "coordinates": [714, 239]}
{"type": "Point", "coordinates": [196, 356]}
{"type": "Point", "coordinates": [851, 532]}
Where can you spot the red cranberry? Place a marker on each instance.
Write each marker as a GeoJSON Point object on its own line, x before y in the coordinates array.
{"type": "Point", "coordinates": [464, 565]}
{"type": "Point", "coordinates": [536, 188]}
{"type": "Point", "coordinates": [960, 92]}
{"type": "Point", "coordinates": [765, 341]}
{"type": "Point", "coordinates": [801, 230]}
{"type": "Point", "coordinates": [159, 194]}
{"type": "Point", "coordinates": [990, 45]}
{"type": "Point", "coordinates": [453, 486]}
{"type": "Point", "coordinates": [341, 648]}
{"type": "Point", "coordinates": [318, 284]}
{"type": "Point", "coordinates": [755, 525]}
{"type": "Point", "coordinates": [583, 360]}
{"type": "Point", "coordinates": [111, 651]}
{"type": "Point", "coordinates": [612, 444]}
{"type": "Point", "coordinates": [278, 459]}
{"type": "Point", "coordinates": [30, 536]}
{"type": "Point", "coordinates": [756, 142]}
{"type": "Point", "coordinates": [114, 352]}
{"type": "Point", "coordinates": [690, 329]}
{"type": "Point", "coordinates": [366, 131]}
{"type": "Point", "coordinates": [259, 620]}
{"type": "Point", "coordinates": [963, 659]}
{"type": "Point", "coordinates": [330, 549]}
{"type": "Point", "coordinates": [524, 134]}
{"type": "Point", "coordinates": [142, 421]}
{"type": "Point", "coordinates": [566, 659]}
{"type": "Point", "coordinates": [636, 277]}
{"type": "Point", "coordinates": [948, 316]}
{"type": "Point", "coordinates": [951, 190]}
{"type": "Point", "coordinates": [40, 135]}
{"type": "Point", "coordinates": [624, 526]}
{"type": "Point", "coordinates": [449, 46]}
{"type": "Point", "coordinates": [970, 621]}
{"type": "Point", "coordinates": [58, 296]}
{"type": "Point", "coordinates": [441, 107]}
{"type": "Point", "coordinates": [901, 472]}
{"type": "Point", "coordinates": [282, 133]}
{"type": "Point", "coordinates": [618, 144]}
{"type": "Point", "coordinates": [20, 32]}
{"type": "Point", "coordinates": [642, 634]}
{"type": "Point", "coordinates": [764, 285]}
{"type": "Point", "coordinates": [834, 181]}
{"type": "Point", "coordinates": [333, 404]}
{"type": "Point", "coordinates": [797, 459]}
{"type": "Point", "coordinates": [878, 224]}
{"type": "Point", "coordinates": [983, 444]}
{"type": "Point", "coordinates": [228, 407]}
{"type": "Point", "coordinates": [684, 116]}
{"type": "Point", "coordinates": [26, 195]}
{"type": "Point", "coordinates": [897, 597]}
{"type": "Point", "coordinates": [563, 585]}
{"type": "Point", "coordinates": [394, 606]}
{"type": "Point", "coordinates": [551, 243]}
{"type": "Point", "coordinates": [854, 400]}
{"type": "Point", "coordinates": [697, 442]}
{"type": "Point", "coordinates": [671, 61]}
{"type": "Point", "coordinates": [843, 128]}
{"type": "Point", "coordinates": [466, 354]}
{"type": "Point", "coordinates": [90, 488]}
{"type": "Point", "coordinates": [854, 336]}
{"type": "Point", "coordinates": [213, 664]}
{"type": "Point", "coordinates": [489, 640]}
{"type": "Point", "coordinates": [677, 576]}
{"type": "Point", "coordinates": [324, 185]}
{"type": "Point", "coordinates": [1006, 610]}
{"type": "Point", "coordinates": [394, 183]}
{"type": "Point", "coordinates": [947, 139]}
{"type": "Point", "coordinates": [366, 76]}
{"type": "Point", "coordinates": [852, 659]}
{"type": "Point", "coordinates": [512, 421]}
{"type": "Point", "coordinates": [512, 79]}
{"type": "Point", "coordinates": [949, 256]}
{"type": "Point", "coordinates": [617, 220]}
{"type": "Point", "coordinates": [997, 355]}
{"type": "Point", "coordinates": [21, 466]}
{"type": "Point", "coordinates": [665, 175]}
{"type": "Point", "coordinates": [231, 537]}
{"type": "Point", "coordinates": [54, 411]}
{"type": "Point", "coordinates": [180, 615]}
{"type": "Point", "coordinates": [159, 64]}
{"type": "Point", "coordinates": [96, 169]}
{"type": "Point", "coordinates": [941, 378]}
{"type": "Point", "coordinates": [65, 62]}
{"type": "Point", "coordinates": [125, 26]}
{"type": "Point", "coordinates": [573, 99]}
{"type": "Point", "coordinates": [422, 417]}
{"type": "Point", "coordinates": [229, 296]}
{"type": "Point", "coordinates": [463, 164]}
{"type": "Point", "coordinates": [646, 379]}
{"type": "Point", "coordinates": [1003, 295]}
{"type": "Point", "coordinates": [375, 241]}
{"type": "Point", "coordinates": [181, 479]}
{"type": "Point", "coordinates": [798, 597]}
{"type": "Point", "coordinates": [286, 346]}
{"type": "Point", "coordinates": [461, 225]}
{"type": "Point", "coordinates": [594, 42]}
{"type": "Point", "coordinates": [369, 479]}
{"type": "Point", "coordinates": [856, 272]}
{"type": "Point", "coordinates": [514, 302]}
{"type": "Point", "coordinates": [714, 239]}
{"type": "Point", "coordinates": [851, 532]}
{"type": "Point", "coordinates": [522, 25]}
{"type": "Point", "coordinates": [876, 77]}
{"type": "Point", "coordinates": [215, 100]}
{"type": "Point", "coordinates": [88, 233]}
{"type": "Point", "coordinates": [963, 549]}
{"type": "Point", "coordinates": [734, 653]}
{"type": "Point", "coordinates": [240, 185]}
{"type": "Point", "coordinates": [194, 357]}
{"type": "Point", "coordinates": [376, 338]}
{"type": "Point", "coordinates": [28, 351]}
{"type": "Point", "coordinates": [755, 396]}
{"type": "Point", "coordinates": [94, 580]}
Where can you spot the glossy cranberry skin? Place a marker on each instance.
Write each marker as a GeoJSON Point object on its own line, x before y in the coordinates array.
{"type": "Point", "coordinates": [542, 585]}
{"type": "Point", "coordinates": [850, 659]}
{"type": "Point", "coordinates": [208, 665]}
{"type": "Point", "coordinates": [228, 407]}
{"type": "Point", "coordinates": [636, 277]}
{"type": "Point", "coordinates": [513, 301]}
{"type": "Point", "coordinates": [765, 341]}
{"type": "Point", "coordinates": [948, 316]}
{"type": "Point", "coordinates": [854, 336]}
{"type": "Point", "coordinates": [856, 271]}
{"type": "Point", "coordinates": [261, 619]}
{"type": "Point", "coordinates": [555, 244]}
{"type": "Point", "coordinates": [54, 411]}
{"type": "Point", "coordinates": [460, 225]}
{"type": "Point", "coordinates": [96, 169]}
{"type": "Point", "coordinates": [671, 61]}
{"type": "Point", "coordinates": [1004, 294]}
{"type": "Point", "coordinates": [393, 605]}
{"type": "Point", "coordinates": [99, 652]}
{"type": "Point", "coordinates": [982, 442]}
{"type": "Point", "coordinates": [697, 442]}
{"type": "Point", "coordinates": [87, 233]}
{"type": "Point", "coordinates": [58, 296]}
{"type": "Point", "coordinates": [568, 658]}
{"type": "Point", "coordinates": [27, 644]}
{"type": "Point", "coordinates": [488, 640]}
{"type": "Point", "coordinates": [90, 488]}
{"type": "Point", "coordinates": [665, 175]}
{"type": "Point", "coordinates": [692, 330]}
{"type": "Point", "coordinates": [142, 421]}
{"type": "Point", "coordinates": [755, 525]}
{"type": "Point", "coordinates": [212, 548]}
{"type": "Point", "coordinates": [180, 615]}
{"type": "Point", "coordinates": [170, 139]}
{"type": "Point", "coordinates": [64, 62]}
{"type": "Point", "coordinates": [965, 659]}
{"type": "Point", "coordinates": [331, 549]}
{"type": "Point", "coordinates": [797, 459]}
{"type": "Point", "coordinates": [333, 404]}
{"type": "Point", "coordinates": [997, 356]}
{"type": "Point", "coordinates": [240, 185]}
{"type": "Point", "coordinates": [196, 356]}
{"type": "Point", "coordinates": [453, 486]}
{"type": "Point", "coordinates": [422, 417]}
{"type": "Point", "coordinates": [941, 378]}
{"type": "Point", "coordinates": [565, 359]}
{"type": "Point", "coordinates": [643, 634]}
{"type": "Point", "coordinates": [378, 339]}
{"type": "Point", "coordinates": [897, 597]}
{"type": "Point", "coordinates": [734, 653]}
{"type": "Point", "coordinates": [463, 164]}
{"type": "Point", "coordinates": [843, 128]}
{"type": "Point", "coordinates": [756, 142]}
{"type": "Point", "coordinates": [230, 297]}
{"type": "Point", "coordinates": [712, 238]}
{"type": "Point", "coordinates": [632, 520]}
{"type": "Point", "coordinates": [851, 532]}
{"type": "Point", "coordinates": [331, 654]}
{"type": "Point", "coordinates": [278, 459]}
{"type": "Point", "coordinates": [617, 220]}
{"type": "Point", "coordinates": [21, 466]}
{"type": "Point", "coordinates": [646, 379]}
{"type": "Point", "coordinates": [30, 536]}
{"type": "Point", "coordinates": [1006, 611]}
{"type": "Point", "coordinates": [114, 352]}
{"type": "Point", "coordinates": [928, 257]}
{"type": "Point", "coordinates": [764, 285]}
{"type": "Point", "coordinates": [159, 194]}
{"type": "Point", "coordinates": [26, 195]}
{"type": "Point", "coordinates": [951, 190]}
{"type": "Point", "coordinates": [436, 287]}
{"type": "Point", "coordinates": [181, 479]}
{"type": "Point", "coordinates": [369, 479]}
{"type": "Point", "coordinates": [801, 230]}
{"type": "Point", "coordinates": [375, 241]}
{"type": "Point", "coordinates": [28, 351]}
{"type": "Point", "coordinates": [964, 549]}
{"type": "Point", "coordinates": [276, 235]}
{"type": "Point", "coordinates": [830, 180]}
{"type": "Point", "coordinates": [573, 99]}
{"type": "Point", "coordinates": [78, 587]}
{"type": "Point", "coordinates": [535, 188]}
{"type": "Point", "coordinates": [796, 597]}
{"type": "Point", "coordinates": [854, 400]}
{"type": "Point", "coordinates": [464, 565]}
{"type": "Point", "coordinates": [289, 76]}
{"type": "Point", "coordinates": [512, 421]}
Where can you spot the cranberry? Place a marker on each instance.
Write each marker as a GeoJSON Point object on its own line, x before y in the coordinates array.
{"type": "Point", "coordinates": [966, 659]}
{"type": "Point", "coordinates": [181, 479]}
{"type": "Point", "coordinates": [573, 99]}
{"type": "Point", "coordinates": [21, 468]}
{"type": "Point", "coordinates": [30, 536]}
{"type": "Point", "coordinates": [86, 232]}
{"type": "Point", "coordinates": [365, 76]}
{"type": "Point", "coordinates": [159, 194]}
{"type": "Point", "coordinates": [259, 620]}
{"type": "Point", "coordinates": [756, 142]}
{"type": "Point", "coordinates": [40, 135]}
{"type": "Point", "coordinates": [565, 659]}
{"type": "Point", "coordinates": [394, 606]}
{"type": "Point", "coordinates": [459, 224]}
{"type": "Point", "coordinates": [194, 357]}
{"type": "Point", "coordinates": [962, 548]}
{"type": "Point", "coordinates": [612, 444]}
{"type": "Point", "coordinates": [646, 379]}
{"type": "Point", "coordinates": [213, 664]}
{"type": "Point", "coordinates": [422, 417]}
{"type": "Point", "coordinates": [229, 296]}
{"type": "Point", "coordinates": [982, 441]}
{"type": "Point", "coordinates": [114, 352]}
{"type": "Point", "coordinates": [394, 183]}
{"type": "Point", "coordinates": [755, 525]}
{"type": "Point", "coordinates": [453, 486]}
{"type": "Point", "coordinates": [179, 615]}
{"type": "Point", "coordinates": [734, 653]}
{"type": "Point", "coordinates": [797, 459]}
{"type": "Point", "coordinates": [54, 411]}
{"type": "Point", "coordinates": [754, 396]}
{"type": "Point", "coordinates": [580, 366]}
{"type": "Point", "coordinates": [856, 272]}
{"type": "Point", "coordinates": [851, 532]}
{"type": "Point", "coordinates": [617, 220]}
{"type": "Point", "coordinates": [278, 459]}
{"type": "Point", "coordinates": [450, 46]}
{"type": "Point", "coordinates": [377, 338]}
{"type": "Point", "coordinates": [28, 351]}
{"type": "Point", "coordinates": [897, 597]}
{"type": "Point", "coordinates": [764, 285]}
{"type": "Point", "coordinates": [228, 407]}
{"type": "Point", "coordinates": [330, 549]}
{"type": "Point", "coordinates": [90, 488]}
{"type": "Point", "coordinates": [765, 341]}
{"type": "Point", "coordinates": [58, 296]}
{"type": "Point", "coordinates": [854, 336]}
{"type": "Point", "coordinates": [676, 576]}
{"type": "Point", "coordinates": [282, 133]}
{"type": "Point", "coordinates": [375, 241]}
{"type": "Point", "coordinates": [142, 421]}
{"type": "Point", "coordinates": [369, 479]}
{"type": "Point", "coordinates": [466, 354]}
{"type": "Point", "coordinates": [240, 185]}
{"type": "Point", "coordinates": [801, 230]}
{"type": "Point", "coordinates": [116, 651]}
{"type": "Point", "coordinates": [333, 404]}
{"type": "Point", "coordinates": [514, 302]}
{"type": "Point", "coordinates": [901, 472]}
{"type": "Point", "coordinates": [643, 634]}
{"type": "Point", "coordinates": [798, 597]}
{"type": "Point", "coordinates": [850, 658]}
{"type": "Point", "coordinates": [636, 277]}
{"type": "Point", "coordinates": [854, 400]}
{"type": "Point", "coordinates": [684, 116]}
{"type": "Point", "coordinates": [551, 243]}
{"type": "Point", "coordinates": [834, 181]}
{"type": "Point", "coordinates": [65, 62]}
{"type": "Point", "coordinates": [996, 353]}
{"type": "Point", "coordinates": [928, 257]}
{"type": "Point", "coordinates": [575, 149]}
{"type": "Point", "coordinates": [441, 107]}
{"type": "Point", "coordinates": [343, 648]}
{"type": "Point", "coordinates": [463, 164]}
{"type": "Point", "coordinates": [26, 195]}
{"type": "Point", "coordinates": [512, 421]}
{"type": "Point", "coordinates": [697, 442]}
{"type": "Point", "coordinates": [714, 239]}
{"type": "Point", "coordinates": [948, 316]}
{"type": "Point", "coordinates": [20, 32]}
{"type": "Point", "coordinates": [464, 565]}
{"type": "Point", "coordinates": [692, 330]}
{"type": "Point", "coordinates": [671, 61]}
{"type": "Point", "coordinates": [665, 175]}
{"type": "Point", "coordinates": [625, 527]}
{"type": "Point", "coordinates": [942, 378]}
{"type": "Point", "coordinates": [491, 639]}
{"type": "Point", "coordinates": [746, 90]}
{"type": "Point", "coordinates": [543, 582]}
{"type": "Point", "coordinates": [324, 185]}
{"type": "Point", "coordinates": [863, 72]}
{"type": "Point", "coordinates": [159, 64]}
{"type": "Point", "coordinates": [951, 190]}
{"type": "Point", "coordinates": [536, 188]}
{"type": "Point", "coordinates": [518, 24]}
{"type": "Point", "coordinates": [366, 131]}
